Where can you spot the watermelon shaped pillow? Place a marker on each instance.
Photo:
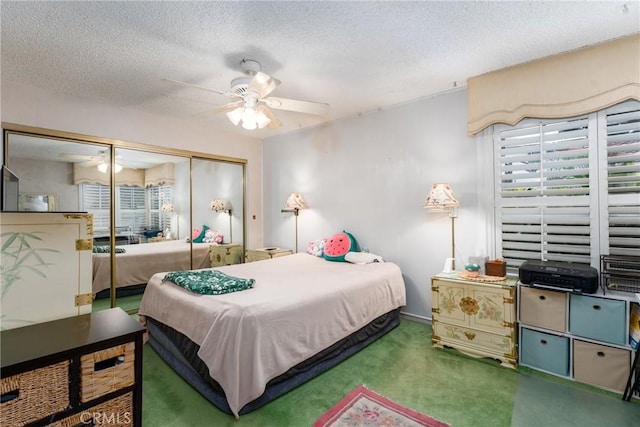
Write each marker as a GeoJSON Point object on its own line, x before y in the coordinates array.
{"type": "Point", "coordinates": [338, 245]}
{"type": "Point", "coordinates": [198, 233]}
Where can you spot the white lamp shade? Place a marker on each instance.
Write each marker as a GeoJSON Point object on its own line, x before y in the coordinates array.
{"type": "Point", "coordinates": [441, 197]}
{"type": "Point", "coordinates": [218, 205]}
{"type": "Point", "coordinates": [295, 201]}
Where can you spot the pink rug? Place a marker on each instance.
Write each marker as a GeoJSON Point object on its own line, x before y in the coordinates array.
{"type": "Point", "coordinates": [363, 407]}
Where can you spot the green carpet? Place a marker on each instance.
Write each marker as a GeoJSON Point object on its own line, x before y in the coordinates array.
{"type": "Point", "coordinates": [404, 367]}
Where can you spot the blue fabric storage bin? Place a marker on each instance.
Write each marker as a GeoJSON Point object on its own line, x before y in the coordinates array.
{"type": "Point", "coordinates": [600, 319]}
{"type": "Point", "coordinates": [544, 351]}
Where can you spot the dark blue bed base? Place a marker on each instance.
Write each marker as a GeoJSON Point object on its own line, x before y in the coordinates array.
{"type": "Point", "coordinates": [340, 351]}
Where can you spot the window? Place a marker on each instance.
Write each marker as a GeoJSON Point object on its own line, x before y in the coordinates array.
{"type": "Point", "coordinates": [137, 208]}
{"type": "Point", "coordinates": [569, 189]}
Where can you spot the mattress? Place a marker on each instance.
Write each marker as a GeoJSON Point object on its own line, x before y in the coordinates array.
{"type": "Point", "coordinates": [139, 262]}
{"type": "Point", "coordinates": [182, 355]}
{"type": "Point", "coordinates": [299, 306]}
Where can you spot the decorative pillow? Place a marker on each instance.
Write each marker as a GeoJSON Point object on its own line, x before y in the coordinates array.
{"type": "Point", "coordinates": [211, 236]}
{"type": "Point", "coordinates": [197, 234]}
{"type": "Point", "coordinates": [339, 245]}
{"type": "Point", "coordinates": [316, 247]}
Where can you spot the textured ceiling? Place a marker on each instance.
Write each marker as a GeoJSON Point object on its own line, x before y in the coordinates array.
{"type": "Point", "coordinates": [356, 56]}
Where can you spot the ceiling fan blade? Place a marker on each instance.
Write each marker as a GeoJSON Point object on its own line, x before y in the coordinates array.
{"type": "Point", "coordinates": [69, 156]}
{"type": "Point", "coordinates": [220, 92]}
{"type": "Point", "coordinates": [263, 84]}
{"type": "Point", "coordinates": [275, 122]}
{"type": "Point", "coordinates": [220, 109]}
{"type": "Point", "coordinates": [89, 163]}
{"type": "Point", "coordinates": [316, 108]}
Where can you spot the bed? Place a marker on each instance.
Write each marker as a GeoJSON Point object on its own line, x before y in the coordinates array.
{"type": "Point", "coordinates": [303, 316]}
{"type": "Point", "coordinates": [141, 261]}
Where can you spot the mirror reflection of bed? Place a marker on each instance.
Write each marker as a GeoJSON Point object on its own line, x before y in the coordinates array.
{"type": "Point", "coordinates": [137, 263]}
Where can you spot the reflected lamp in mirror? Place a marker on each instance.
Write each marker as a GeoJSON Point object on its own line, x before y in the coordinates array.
{"type": "Point", "coordinates": [442, 199]}
{"type": "Point", "coordinates": [167, 207]}
{"type": "Point", "coordinates": [219, 205]}
{"type": "Point", "coordinates": [294, 204]}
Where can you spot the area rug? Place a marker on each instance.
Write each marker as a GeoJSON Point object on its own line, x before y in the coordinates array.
{"type": "Point", "coordinates": [366, 408]}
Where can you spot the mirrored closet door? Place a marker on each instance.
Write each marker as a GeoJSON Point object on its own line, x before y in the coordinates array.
{"type": "Point", "coordinates": [163, 209]}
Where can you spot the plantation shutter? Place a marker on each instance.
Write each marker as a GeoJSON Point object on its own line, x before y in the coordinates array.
{"type": "Point", "coordinates": [96, 200]}
{"type": "Point", "coordinates": [158, 195]}
{"type": "Point", "coordinates": [622, 186]}
{"type": "Point", "coordinates": [543, 191]}
{"type": "Point", "coordinates": [132, 213]}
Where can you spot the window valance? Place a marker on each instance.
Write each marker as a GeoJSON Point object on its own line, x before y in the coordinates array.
{"type": "Point", "coordinates": [91, 175]}
{"type": "Point", "coordinates": [159, 175]}
{"type": "Point", "coordinates": [566, 85]}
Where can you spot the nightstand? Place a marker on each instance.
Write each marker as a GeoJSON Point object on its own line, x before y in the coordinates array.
{"type": "Point", "coordinates": [226, 254]}
{"type": "Point", "coordinates": [265, 253]}
{"type": "Point", "coordinates": [476, 318]}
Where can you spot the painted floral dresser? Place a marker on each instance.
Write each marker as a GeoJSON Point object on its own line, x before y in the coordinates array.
{"type": "Point", "coordinates": [476, 318]}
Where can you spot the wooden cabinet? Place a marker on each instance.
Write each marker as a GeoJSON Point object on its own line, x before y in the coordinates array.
{"type": "Point", "coordinates": [476, 318]}
{"type": "Point", "coordinates": [46, 266]}
{"type": "Point", "coordinates": [226, 254]}
{"type": "Point", "coordinates": [581, 337]}
{"type": "Point", "coordinates": [83, 370]}
{"type": "Point", "coordinates": [266, 253]}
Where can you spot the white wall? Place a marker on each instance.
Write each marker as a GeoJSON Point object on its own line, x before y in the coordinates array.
{"type": "Point", "coordinates": [31, 106]}
{"type": "Point", "coordinates": [370, 175]}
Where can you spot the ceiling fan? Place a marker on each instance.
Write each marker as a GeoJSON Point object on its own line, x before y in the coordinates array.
{"type": "Point", "coordinates": [252, 107]}
{"type": "Point", "coordinates": [101, 161]}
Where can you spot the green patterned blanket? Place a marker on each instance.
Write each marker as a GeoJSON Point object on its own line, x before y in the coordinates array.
{"type": "Point", "coordinates": [208, 282]}
{"type": "Point", "coordinates": [105, 249]}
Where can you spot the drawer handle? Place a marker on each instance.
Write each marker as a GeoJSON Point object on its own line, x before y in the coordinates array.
{"type": "Point", "coordinates": [108, 363]}
{"type": "Point", "coordinates": [542, 297]}
{"type": "Point", "coordinates": [543, 342]}
{"type": "Point", "coordinates": [600, 354]}
{"type": "Point", "coordinates": [218, 258]}
{"type": "Point", "coordinates": [9, 396]}
{"type": "Point", "coordinates": [596, 307]}
{"type": "Point", "coordinates": [470, 335]}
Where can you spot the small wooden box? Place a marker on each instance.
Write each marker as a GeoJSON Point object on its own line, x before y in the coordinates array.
{"type": "Point", "coordinates": [496, 267]}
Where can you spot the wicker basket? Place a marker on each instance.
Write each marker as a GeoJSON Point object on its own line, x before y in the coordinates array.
{"type": "Point", "coordinates": [106, 370]}
{"type": "Point", "coordinates": [620, 272]}
{"type": "Point", "coordinates": [116, 412]}
{"type": "Point", "coordinates": [40, 393]}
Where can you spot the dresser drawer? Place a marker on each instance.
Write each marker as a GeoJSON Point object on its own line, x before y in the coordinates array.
{"type": "Point", "coordinates": [544, 309]}
{"type": "Point", "coordinates": [106, 370]}
{"type": "Point", "coordinates": [35, 394]}
{"type": "Point", "coordinates": [600, 319]}
{"type": "Point", "coordinates": [601, 365]}
{"type": "Point", "coordinates": [115, 412]}
{"type": "Point", "coordinates": [221, 255]}
{"type": "Point", "coordinates": [483, 342]}
{"type": "Point", "coordinates": [544, 351]}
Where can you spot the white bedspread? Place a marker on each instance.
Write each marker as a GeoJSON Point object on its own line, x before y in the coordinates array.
{"type": "Point", "coordinates": [139, 262]}
{"type": "Point", "coordinates": [300, 305]}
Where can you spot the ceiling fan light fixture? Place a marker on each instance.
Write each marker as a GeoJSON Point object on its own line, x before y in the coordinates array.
{"type": "Point", "coordinates": [104, 167]}
{"type": "Point", "coordinates": [235, 115]}
{"type": "Point", "coordinates": [262, 120]}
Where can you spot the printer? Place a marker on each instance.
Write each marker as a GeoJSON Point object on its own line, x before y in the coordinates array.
{"type": "Point", "coordinates": [558, 275]}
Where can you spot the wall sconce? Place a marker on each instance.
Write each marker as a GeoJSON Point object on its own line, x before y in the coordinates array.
{"type": "Point", "coordinates": [441, 199]}
{"type": "Point", "coordinates": [294, 203]}
{"type": "Point", "coordinates": [218, 205]}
